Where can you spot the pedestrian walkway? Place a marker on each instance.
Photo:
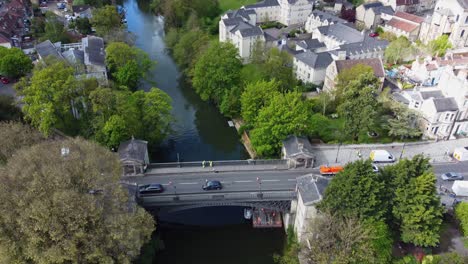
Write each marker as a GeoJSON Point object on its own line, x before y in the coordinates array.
{"type": "Point", "coordinates": [437, 151]}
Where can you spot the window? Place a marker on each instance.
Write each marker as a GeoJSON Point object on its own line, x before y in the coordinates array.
{"type": "Point", "coordinates": [458, 16]}
{"type": "Point", "coordinates": [462, 33]}
{"type": "Point", "coordinates": [466, 20]}
{"type": "Point", "coordinates": [447, 115]}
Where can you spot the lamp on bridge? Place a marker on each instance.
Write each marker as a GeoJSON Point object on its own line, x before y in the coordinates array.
{"type": "Point", "coordinates": [260, 195]}
{"type": "Point", "coordinates": [175, 191]}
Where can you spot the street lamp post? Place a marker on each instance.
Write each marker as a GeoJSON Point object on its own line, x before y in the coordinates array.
{"type": "Point", "coordinates": [337, 152]}
{"type": "Point", "coordinates": [402, 150]}
{"type": "Point", "coordinates": [260, 195]}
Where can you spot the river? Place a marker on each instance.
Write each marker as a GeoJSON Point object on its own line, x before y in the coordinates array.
{"type": "Point", "coordinates": [216, 235]}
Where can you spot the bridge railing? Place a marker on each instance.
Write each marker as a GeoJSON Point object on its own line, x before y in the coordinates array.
{"type": "Point", "coordinates": [217, 163]}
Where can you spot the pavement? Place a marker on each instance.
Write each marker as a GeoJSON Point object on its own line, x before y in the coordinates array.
{"type": "Point", "coordinates": [438, 152]}
{"type": "Point", "coordinates": [7, 89]}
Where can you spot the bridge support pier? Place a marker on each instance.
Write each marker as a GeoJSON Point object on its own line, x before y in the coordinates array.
{"type": "Point", "coordinates": [290, 217]}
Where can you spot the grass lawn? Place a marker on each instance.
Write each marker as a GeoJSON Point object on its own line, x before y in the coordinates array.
{"type": "Point", "coordinates": [234, 4]}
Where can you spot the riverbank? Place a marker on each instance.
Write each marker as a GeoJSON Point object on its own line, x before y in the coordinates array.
{"type": "Point", "coordinates": [238, 123]}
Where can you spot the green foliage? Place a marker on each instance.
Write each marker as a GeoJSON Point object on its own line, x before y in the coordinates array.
{"type": "Point", "coordinates": [8, 109]}
{"type": "Point", "coordinates": [54, 29]}
{"type": "Point", "coordinates": [399, 50]}
{"type": "Point", "coordinates": [226, 5]}
{"type": "Point", "coordinates": [278, 65]}
{"type": "Point", "coordinates": [14, 63]}
{"type": "Point", "coordinates": [286, 114]}
{"type": "Point", "coordinates": [382, 241]}
{"type": "Point", "coordinates": [115, 131]}
{"type": "Point", "coordinates": [216, 71]}
{"type": "Point", "coordinates": [37, 26]}
{"type": "Point", "coordinates": [15, 136]}
{"type": "Point", "coordinates": [359, 107]}
{"type": "Point", "coordinates": [379, 30]}
{"type": "Point", "coordinates": [230, 104]}
{"type": "Point", "coordinates": [106, 20]}
{"type": "Point", "coordinates": [388, 36]}
{"type": "Point", "coordinates": [403, 125]}
{"type": "Point", "coordinates": [417, 207]}
{"type": "Point", "coordinates": [358, 191]}
{"type": "Point", "coordinates": [188, 47]}
{"type": "Point", "coordinates": [438, 47]}
{"type": "Point", "coordinates": [178, 12]}
{"type": "Point", "coordinates": [290, 253]}
{"type": "Point", "coordinates": [447, 258]}
{"type": "Point", "coordinates": [461, 212]}
{"type": "Point", "coordinates": [344, 78]}
{"type": "Point", "coordinates": [255, 97]}
{"type": "Point", "coordinates": [127, 64]}
{"type": "Point", "coordinates": [48, 97]}
{"type": "Point", "coordinates": [52, 217]}
{"type": "Point", "coordinates": [82, 25]}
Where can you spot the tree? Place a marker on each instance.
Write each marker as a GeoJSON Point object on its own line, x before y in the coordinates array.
{"type": "Point", "coordinates": [115, 131]}
{"type": "Point", "coordinates": [359, 105]}
{"type": "Point", "coordinates": [44, 189]}
{"type": "Point", "coordinates": [15, 136]}
{"type": "Point", "coordinates": [325, 99]}
{"type": "Point", "coordinates": [398, 50]}
{"type": "Point", "coordinates": [258, 54]}
{"type": "Point", "coordinates": [230, 103]}
{"type": "Point", "coordinates": [8, 109]}
{"type": "Point", "coordinates": [356, 191]}
{"type": "Point", "coordinates": [346, 76]}
{"type": "Point", "coordinates": [402, 125]}
{"type": "Point", "coordinates": [416, 207]}
{"type": "Point", "coordinates": [48, 97]}
{"type": "Point", "coordinates": [188, 47]}
{"type": "Point", "coordinates": [14, 63]}
{"type": "Point", "coordinates": [127, 64]}
{"type": "Point", "coordinates": [461, 211]}
{"type": "Point", "coordinates": [217, 70]}
{"type": "Point", "coordinates": [437, 47]}
{"type": "Point", "coordinates": [54, 29]}
{"type": "Point", "coordinates": [106, 20]}
{"type": "Point", "coordinates": [278, 65]}
{"type": "Point", "coordinates": [156, 115]}
{"type": "Point", "coordinates": [286, 114]}
{"type": "Point", "coordinates": [255, 97]}
{"type": "Point", "coordinates": [347, 240]}
{"type": "Point", "coordinates": [82, 25]}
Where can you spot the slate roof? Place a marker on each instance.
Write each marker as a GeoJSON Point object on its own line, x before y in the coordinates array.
{"type": "Point", "coordinates": [315, 60]}
{"type": "Point", "coordinates": [250, 32]}
{"type": "Point", "coordinates": [342, 32]}
{"type": "Point", "coordinates": [46, 48]}
{"type": "Point", "coordinates": [328, 17]}
{"type": "Point", "coordinates": [445, 104]}
{"type": "Point", "coordinates": [372, 5]}
{"type": "Point", "coordinates": [294, 145]}
{"type": "Point", "coordinates": [133, 149]}
{"type": "Point", "coordinates": [369, 44]}
{"type": "Point", "coordinates": [463, 3]}
{"type": "Point", "coordinates": [383, 10]}
{"type": "Point", "coordinates": [80, 8]}
{"type": "Point", "coordinates": [428, 94]}
{"type": "Point", "coordinates": [312, 188]}
{"type": "Point", "coordinates": [74, 56]}
{"type": "Point", "coordinates": [375, 63]}
{"type": "Point", "coordinates": [94, 51]}
{"type": "Point", "coordinates": [310, 44]}
{"type": "Point", "coordinates": [264, 3]}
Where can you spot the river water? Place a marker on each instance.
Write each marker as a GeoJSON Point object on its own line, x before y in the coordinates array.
{"type": "Point", "coordinates": [213, 235]}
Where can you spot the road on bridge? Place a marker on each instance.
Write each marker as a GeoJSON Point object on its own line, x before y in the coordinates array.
{"type": "Point", "coordinates": [243, 181]}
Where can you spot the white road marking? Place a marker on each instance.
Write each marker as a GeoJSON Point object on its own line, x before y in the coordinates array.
{"type": "Point", "coordinates": [271, 180]}
{"type": "Point", "coordinates": [165, 184]}
{"type": "Point", "coordinates": [291, 179]}
{"type": "Point", "coordinates": [188, 183]}
{"type": "Point", "coordinates": [242, 181]}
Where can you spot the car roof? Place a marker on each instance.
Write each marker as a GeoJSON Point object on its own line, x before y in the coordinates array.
{"type": "Point", "coordinates": [214, 182]}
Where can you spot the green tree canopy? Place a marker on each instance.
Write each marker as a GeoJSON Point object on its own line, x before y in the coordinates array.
{"type": "Point", "coordinates": [286, 114]}
{"type": "Point", "coordinates": [255, 97]}
{"type": "Point", "coordinates": [344, 78]}
{"type": "Point", "coordinates": [50, 215]}
{"type": "Point", "coordinates": [106, 20]}
{"type": "Point", "coordinates": [14, 63]}
{"type": "Point", "coordinates": [216, 71]}
{"type": "Point", "coordinates": [48, 96]}
{"type": "Point", "coordinates": [399, 50]}
{"type": "Point", "coordinates": [356, 191]}
{"type": "Point", "coordinates": [16, 135]}
{"type": "Point", "coordinates": [359, 107]}
{"type": "Point", "coordinates": [278, 65]}
{"type": "Point", "coordinates": [188, 47]}
{"type": "Point", "coordinates": [438, 47]}
{"type": "Point", "coordinates": [9, 109]}
{"type": "Point", "coordinates": [54, 29]}
{"type": "Point", "coordinates": [127, 64]}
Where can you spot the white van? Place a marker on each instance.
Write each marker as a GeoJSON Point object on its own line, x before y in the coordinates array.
{"type": "Point", "coordinates": [380, 155]}
{"type": "Point", "coordinates": [461, 153]}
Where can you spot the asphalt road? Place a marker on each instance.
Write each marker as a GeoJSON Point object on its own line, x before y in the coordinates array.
{"type": "Point", "coordinates": [267, 180]}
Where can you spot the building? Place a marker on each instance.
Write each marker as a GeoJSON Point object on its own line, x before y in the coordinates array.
{"type": "Point", "coordinates": [367, 49]}
{"type": "Point", "coordinates": [87, 56]}
{"type": "Point", "coordinates": [14, 22]}
{"type": "Point", "coordinates": [450, 18]}
{"type": "Point", "coordinates": [310, 67]}
{"type": "Point", "coordinates": [298, 152]}
{"type": "Point", "coordinates": [410, 6]}
{"type": "Point", "coordinates": [82, 11]}
{"type": "Point", "coordinates": [373, 14]}
{"type": "Point", "coordinates": [336, 67]}
{"type": "Point", "coordinates": [428, 71]}
{"type": "Point", "coordinates": [240, 27]}
{"type": "Point", "coordinates": [341, 5]}
{"type": "Point", "coordinates": [134, 156]}
{"type": "Point", "coordinates": [339, 34]}
{"type": "Point", "coordinates": [404, 24]}
{"type": "Point", "coordinates": [319, 18]}
{"type": "Point", "coordinates": [444, 108]}
{"type": "Point", "coordinates": [310, 44]}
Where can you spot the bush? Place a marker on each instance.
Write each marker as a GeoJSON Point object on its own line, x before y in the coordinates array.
{"type": "Point", "coordinates": [461, 212]}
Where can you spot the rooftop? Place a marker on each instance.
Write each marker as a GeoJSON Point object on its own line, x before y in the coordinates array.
{"type": "Point", "coordinates": [94, 50]}
{"type": "Point", "coordinates": [326, 16]}
{"type": "Point", "coordinates": [312, 188]}
{"type": "Point", "coordinates": [264, 3]}
{"type": "Point", "coordinates": [406, 2]}
{"type": "Point", "coordinates": [294, 145]}
{"type": "Point", "coordinates": [409, 17]}
{"type": "Point", "coordinates": [369, 44]}
{"type": "Point", "coordinates": [315, 60]}
{"type": "Point", "coordinates": [402, 25]}
{"type": "Point", "coordinates": [343, 32]}
{"type": "Point", "coordinates": [445, 104]}
{"type": "Point", "coordinates": [46, 48]}
{"type": "Point", "coordinates": [375, 64]}
{"type": "Point", "coordinates": [310, 44]}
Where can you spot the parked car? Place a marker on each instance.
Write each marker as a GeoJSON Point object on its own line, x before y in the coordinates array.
{"type": "Point", "coordinates": [373, 34]}
{"type": "Point", "coordinates": [212, 185]}
{"type": "Point", "coordinates": [149, 189]}
{"type": "Point", "coordinates": [4, 80]}
{"type": "Point", "coordinates": [451, 176]}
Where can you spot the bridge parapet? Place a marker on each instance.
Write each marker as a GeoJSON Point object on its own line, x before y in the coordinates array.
{"type": "Point", "coordinates": [217, 166]}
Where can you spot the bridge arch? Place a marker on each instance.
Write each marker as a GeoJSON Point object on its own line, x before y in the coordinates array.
{"type": "Point", "coordinates": [280, 206]}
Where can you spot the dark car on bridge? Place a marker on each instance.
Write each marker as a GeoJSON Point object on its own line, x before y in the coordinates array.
{"type": "Point", "coordinates": [149, 189]}
{"type": "Point", "coordinates": [212, 185]}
